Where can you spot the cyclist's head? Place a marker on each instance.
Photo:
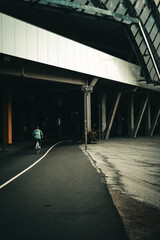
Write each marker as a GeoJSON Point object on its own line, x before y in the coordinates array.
{"type": "Point", "coordinates": [37, 127]}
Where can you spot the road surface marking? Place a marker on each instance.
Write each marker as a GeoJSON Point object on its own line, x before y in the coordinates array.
{"type": "Point", "coordinates": [18, 175]}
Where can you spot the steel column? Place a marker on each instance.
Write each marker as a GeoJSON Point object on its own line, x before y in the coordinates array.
{"type": "Point", "coordinates": [85, 119]}
{"type": "Point", "coordinates": [112, 115]}
{"type": "Point", "coordinates": [89, 111]}
{"type": "Point", "coordinates": [86, 89]}
{"type": "Point", "coordinates": [140, 115]}
{"type": "Point", "coordinates": [155, 120]}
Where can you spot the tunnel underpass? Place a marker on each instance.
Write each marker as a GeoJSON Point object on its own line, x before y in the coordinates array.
{"type": "Point", "coordinates": [56, 107]}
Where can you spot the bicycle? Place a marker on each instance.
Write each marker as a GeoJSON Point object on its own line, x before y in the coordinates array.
{"type": "Point", "coordinates": [37, 147]}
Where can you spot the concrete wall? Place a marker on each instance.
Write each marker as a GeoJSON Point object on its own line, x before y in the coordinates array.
{"type": "Point", "coordinates": [26, 41]}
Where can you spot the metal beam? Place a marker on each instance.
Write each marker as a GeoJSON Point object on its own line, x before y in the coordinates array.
{"type": "Point", "coordinates": [155, 119]}
{"type": "Point", "coordinates": [94, 81]}
{"type": "Point", "coordinates": [137, 53]}
{"type": "Point", "coordinates": [112, 116]}
{"type": "Point", "coordinates": [35, 71]}
{"type": "Point", "coordinates": [140, 115]}
{"type": "Point", "coordinates": [90, 9]}
{"type": "Point", "coordinates": [132, 12]}
{"type": "Point", "coordinates": [149, 49]}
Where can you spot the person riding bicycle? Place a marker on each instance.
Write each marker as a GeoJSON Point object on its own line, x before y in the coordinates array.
{"type": "Point", "coordinates": [38, 135]}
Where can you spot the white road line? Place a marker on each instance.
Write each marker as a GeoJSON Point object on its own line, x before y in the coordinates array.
{"type": "Point", "coordinates": [18, 175]}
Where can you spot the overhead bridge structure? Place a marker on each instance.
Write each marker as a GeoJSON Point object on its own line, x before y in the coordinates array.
{"type": "Point", "coordinates": [52, 52]}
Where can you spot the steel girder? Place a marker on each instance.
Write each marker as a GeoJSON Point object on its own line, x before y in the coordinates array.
{"type": "Point", "coordinates": [87, 8]}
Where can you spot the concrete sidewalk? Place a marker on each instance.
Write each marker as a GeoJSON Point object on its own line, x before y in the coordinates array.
{"type": "Point", "coordinates": [131, 169]}
{"type": "Point", "coordinates": [65, 198]}
{"type": "Point", "coordinates": [130, 166]}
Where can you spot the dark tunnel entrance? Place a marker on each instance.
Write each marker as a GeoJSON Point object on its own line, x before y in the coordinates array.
{"type": "Point", "coordinates": [56, 107]}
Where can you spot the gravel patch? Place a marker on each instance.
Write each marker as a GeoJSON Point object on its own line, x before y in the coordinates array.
{"type": "Point", "coordinates": [141, 222]}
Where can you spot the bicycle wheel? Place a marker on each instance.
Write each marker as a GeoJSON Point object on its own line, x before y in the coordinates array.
{"type": "Point", "coordinates": [37, 147]}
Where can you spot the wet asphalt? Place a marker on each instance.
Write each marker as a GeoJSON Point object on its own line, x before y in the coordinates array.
{"type": "Point", "coordinates": [62, 197]}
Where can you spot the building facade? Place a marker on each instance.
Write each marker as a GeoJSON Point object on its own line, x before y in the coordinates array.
{"type": "Point", "coordinates": [50, 50]}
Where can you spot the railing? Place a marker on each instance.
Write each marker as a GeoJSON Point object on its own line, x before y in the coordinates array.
{"type": "Point", "coordinates": [149, 49]}
{"type": "Point", "coordinates": [146, 36]}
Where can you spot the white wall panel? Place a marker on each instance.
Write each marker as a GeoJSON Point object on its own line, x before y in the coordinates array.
{"type": "Point", "coordinates": [69, 55]}
{"type": "Point", "coordinates": [20, 39]}
{"type": "Point", "coordinates": [42, 46]}
{"type": "Point", "coordinates": [84, 60]}
{"type": "Point", "coordinates": [93, 59]}
{"type": "Point", "coordinates": [90, 60]}
{"type": "Point", "coordinates": [97, 62]}
{"type": "Point", "coordinates": [32, 40]}
{"type": "Point", "coordinates": [27, 41]}
{"type": "Point", "coordinates": [8, 35]}
{"type": "Point", "coordinates": [108, 65]}
{"type": "Point", "coordinates": [115, 69]}
{"type": "Point", "coordinates": [103, 62]}
{"type": "Point", "coordinates": [78, 57]}
{"type": "Point", "coordinates": [52, 48]}
{"type": "Point", "coordinates": [61, 50]}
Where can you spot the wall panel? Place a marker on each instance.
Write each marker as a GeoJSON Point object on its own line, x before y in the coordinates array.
{"type": "Point", "coordinates": [26, 41]}
{"type": "Point", "coordinates": [69, 54]}
{"type": "Point", "coordinates": [8, 35]}
{"type": "Point", "coordinates": [78, 64]}
{"type": "Point", "coordinates": [61, 50]}
{"type": "Point", "coordinates": [52, 48]}
{"type": "Point", "coordinates": [42, 48]}
{"type": "Point", "coordinates": [32, 39]}
{"type": "Point", "coordinates": [20, 39]}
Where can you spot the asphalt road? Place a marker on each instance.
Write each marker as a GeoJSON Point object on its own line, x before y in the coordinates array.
{"type": "Point", "coordinates": [61, 197]}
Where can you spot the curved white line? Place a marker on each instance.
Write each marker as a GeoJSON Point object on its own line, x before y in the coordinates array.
{"type": "Point", "coordinates": [18, 175]}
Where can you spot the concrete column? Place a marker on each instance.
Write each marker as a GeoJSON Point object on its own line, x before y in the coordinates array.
{"type": "Point", "coordinates": [131, 116]}
{"type": "Point", "coordinates": [148, 119]}
{"type": "Point", "coordinates": [104, 120]}
{"type": "Point", "coordinates": [7, 118]}
{"type": "Point", "coordinates": [89, 111]}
